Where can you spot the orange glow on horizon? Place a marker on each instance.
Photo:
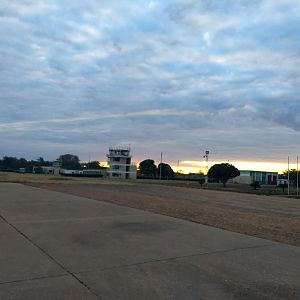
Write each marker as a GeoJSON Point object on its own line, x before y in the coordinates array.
{"type": "Point", "coordinates": [103, 164]}
{"type": "Point", "coordinates": [197, 166]}
{"type": "Point", "coordinates": [193, 166]}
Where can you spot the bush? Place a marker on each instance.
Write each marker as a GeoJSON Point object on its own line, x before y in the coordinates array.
{"type": "Point", "coordinates": [255, 184]}
{"type": "Point", "coordinates": [283, 186]}
{"type": "Point", "coordinates": [201, 181]}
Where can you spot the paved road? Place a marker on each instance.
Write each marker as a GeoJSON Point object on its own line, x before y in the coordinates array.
{"type": "Point", "coordinates": [58, 246]}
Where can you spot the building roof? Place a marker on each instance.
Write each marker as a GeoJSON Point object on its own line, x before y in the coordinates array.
{"type": "Point", "coordinates": [273, 172]}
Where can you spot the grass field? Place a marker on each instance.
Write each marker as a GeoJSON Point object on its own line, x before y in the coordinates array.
{"type": "Point", "coordinates": [44, 178]}
{"type": "Point", "coordinates": [240, 188]}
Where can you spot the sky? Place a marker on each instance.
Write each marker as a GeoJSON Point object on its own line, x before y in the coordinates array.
{"type": "Point", "coordinates": [178, 77]}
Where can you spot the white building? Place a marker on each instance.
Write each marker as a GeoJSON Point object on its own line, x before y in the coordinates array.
{"type": "Point", "coordinates": [249, 176]}
{"type": "Point", "coordinates": [119, 163]}
{"type": "Point", "coordinates": [85, 172]}
{"type": "Point", "coordinates": [54, 169]}
{"type": "Point", "coordinates": [71, 172]}
{"type": "Point", "coordinates": [45, 170]}
{"type": "Point", "coordinates": [95, 172]}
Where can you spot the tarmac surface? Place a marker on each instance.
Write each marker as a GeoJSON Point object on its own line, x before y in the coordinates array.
{"type": "Point", "coordinates": [59, 246]}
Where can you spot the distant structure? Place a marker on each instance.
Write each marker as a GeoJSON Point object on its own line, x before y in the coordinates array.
{"type": "Point", "coordinates": [206, 159]}
{"type": "Point", "coordinates": [119, 163]}
{"type": "Point", "coordinates": [249, 176]}
{"type": "Point", "coordinates": [54, 169]}
{"type": "Point", "coordinates": [282, 181]}
{"type": "Point", "coordinates": [84, 173]}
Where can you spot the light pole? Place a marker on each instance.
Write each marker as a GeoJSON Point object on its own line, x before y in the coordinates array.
{"type": "Point", "coordinates": [206, 159]}
{"type": "Point", "coordinates": [160, 165]}
{"type": "Point", "coordinates": [297, 176]}
{"type": "Point", "coordinates": [288, 175]}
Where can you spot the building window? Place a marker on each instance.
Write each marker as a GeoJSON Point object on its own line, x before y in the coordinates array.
{"type": "Point", "coordinates": [116, 159]}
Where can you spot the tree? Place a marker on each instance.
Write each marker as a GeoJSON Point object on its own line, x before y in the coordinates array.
{"type": "Point", "coordinates": [223, 172]}
{"type": "Point", "coordinates": [10, 162]}
{"type": "Point", "coordinates": [94, 165]}
{"type": "Point", "coordinates": [41, 161]}
{"type": "Point", "coordinates": [166, 170]}
{"type": "Point", "coordinates": [22, 163]}
{"type": "Point", "coordinates": [292, 176]}
{"type": "Point", "coordinates": [70, 162]}
{"type": "Point", "coordinates": [14, 164]}
{"type": "Point", "coordinates": [148, 168]}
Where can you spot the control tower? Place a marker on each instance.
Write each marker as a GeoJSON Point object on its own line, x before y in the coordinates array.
{"type": "Point", "coordinates": [119, 163]}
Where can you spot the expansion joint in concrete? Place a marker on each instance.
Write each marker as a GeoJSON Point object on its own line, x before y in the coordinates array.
{"type": "Point", "coordinates": [174, 258]}
{"type": "Point", "coordinates": [50, 257]}
{"type": "Point", "coordinates": [34, 278]}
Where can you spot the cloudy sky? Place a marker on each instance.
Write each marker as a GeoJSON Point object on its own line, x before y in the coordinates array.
{"type": "Point", "coordinates": [181, 77]}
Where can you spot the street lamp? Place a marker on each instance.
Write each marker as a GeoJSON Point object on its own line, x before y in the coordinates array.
{"type": "Point", "coordinates": [206, 159]}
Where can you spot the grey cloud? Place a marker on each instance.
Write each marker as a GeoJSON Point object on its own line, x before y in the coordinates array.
{"type": "Point", "coordinates": [180, 76]}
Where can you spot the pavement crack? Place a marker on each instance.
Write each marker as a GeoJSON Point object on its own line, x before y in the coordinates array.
{"type": "Point", "coordinates": [173, 258]}
{"type": "Point", "coordinates": [50, 257]}
{"type": "Point", "coordinates": [77, 219]}
{"type": "Point", "coordinates": [33, 278]}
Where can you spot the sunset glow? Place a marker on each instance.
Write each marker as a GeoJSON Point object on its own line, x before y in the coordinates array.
{"type": "Point", "coordinates": [197, 166]}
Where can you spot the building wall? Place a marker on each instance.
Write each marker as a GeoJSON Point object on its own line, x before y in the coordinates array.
{"type": "Point", "coordinates": [43, 170]}
{"type": "Point", "coordinates": [71, 172]}
{"type": "Point", "coordinates": [56, 170]}
{"type": "Point", "coordinates": [95, 172]}
{"type": "Point", "coordinates": [85, 172]}
{"type": "Point", "coordinates": [249, 176]}
{"type": "Point", "coordinates": [243, 179]}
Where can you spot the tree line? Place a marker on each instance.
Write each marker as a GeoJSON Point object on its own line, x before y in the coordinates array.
{"type": "Point", "coordinates": [218, 172]}
{"type": "Point", "coordinates": [148, 169]}
{"type": "Point", "coordinates": [10, 163]}
{"type": "Point", "coordinates": [67, 161]}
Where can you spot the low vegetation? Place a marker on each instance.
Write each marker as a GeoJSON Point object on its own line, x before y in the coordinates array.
{"type": "Point", "coordinates": [267, 190]}
{"type": "Point", "coordinates": [45, 178]}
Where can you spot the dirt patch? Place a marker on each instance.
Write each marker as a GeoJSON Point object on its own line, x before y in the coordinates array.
{"type": "Point", "coordinates": [273, 218]}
